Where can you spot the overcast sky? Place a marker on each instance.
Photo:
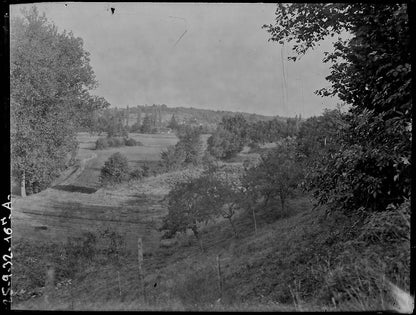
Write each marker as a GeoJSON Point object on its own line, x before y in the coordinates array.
{"type": "Point", "coordinates": [223, 60]}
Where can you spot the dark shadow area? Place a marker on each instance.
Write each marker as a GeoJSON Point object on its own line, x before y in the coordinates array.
{"type": "Point", "coordinates": [73, 188]}
{"type": "Point", "coordinates": [42, 227]}
{"type": "Point", "coordinates": [144, 200]}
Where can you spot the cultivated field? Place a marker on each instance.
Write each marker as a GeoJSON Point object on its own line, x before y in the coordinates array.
{"type": "Point", "coordinates": [76, 203]}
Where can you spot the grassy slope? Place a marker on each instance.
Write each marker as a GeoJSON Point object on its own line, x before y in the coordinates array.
{"type": "Point", "coordinates": [299, 260]}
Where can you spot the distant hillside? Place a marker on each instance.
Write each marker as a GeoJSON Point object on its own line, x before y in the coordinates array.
{"type": "Point", "coordinates": [190, 115]}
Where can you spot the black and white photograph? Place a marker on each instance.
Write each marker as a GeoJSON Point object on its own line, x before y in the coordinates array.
{"type": "Point", "coordinates": [209, 157]}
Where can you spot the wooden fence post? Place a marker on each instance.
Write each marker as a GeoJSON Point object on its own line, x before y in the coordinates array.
{"type": "Point", "coordinates": [49, 282]}
{"type": "Point", "coordinates": [119, 284]}
{"type": "Point", "coordinates": [255, 223]}
{"type": "Point", "coordinates": [219, 275]}
{"type": "Point", "coordinates": [23, 185]}
{"type": "Point", "coordinates": [140, 261]}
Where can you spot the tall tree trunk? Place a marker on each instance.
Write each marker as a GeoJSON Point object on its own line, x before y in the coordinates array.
{"type": "Point", "coordinates": [254, 219]}
{"type": "Point", "coordinates": [23, 185]}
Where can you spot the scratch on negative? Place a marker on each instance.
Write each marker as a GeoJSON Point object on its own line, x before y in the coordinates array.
{"type": "Point", "coordinates": [180, 38]}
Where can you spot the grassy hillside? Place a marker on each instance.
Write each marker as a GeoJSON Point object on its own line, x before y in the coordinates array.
{"type": "Point", "coordinates": [298, 260]}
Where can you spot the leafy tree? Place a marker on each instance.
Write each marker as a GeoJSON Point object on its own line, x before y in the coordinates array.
{"type": "Point", "coordinates": [236, 125]}
{"type": "Point", "coordinates": [371, 72]}
{"type": "Point", "coordinates": [50, 79]}
{"type": "Point", "coordinates": [147, 125]}
{"type": "Point", "coordinates": [115, 169]}
{"type": "Point", "coordinates": [92, 108]}
{"type": "Point", "coordinates": [190, 144]}
{"type": "Point", "coordinates": [224, 192]}
{"type": "Point", "coordinates": [189, 206]}
{"type": "Point", "coordinates": [278, 174]}
{"type": "Point", "coordinates": [171, 158]}
{"type": "Point", "coordinates": [267, 131]}
{"type": "Point", "coordinates": [101, 144]}
{"type": "Point", "coordinates": [292, 127]}
{"type": "Point", "coordinates": [113, 124]}
{"type": "Point", "coordinates": [320, 135]}
{"type": "Point", "coordinates": [136, 127]}
{"type": "Point", "coordinates": [223, 144]}
{"type": "Point", "coordinates": [250, 193]}
{"type": "Point", "coordinates": [173, 124]}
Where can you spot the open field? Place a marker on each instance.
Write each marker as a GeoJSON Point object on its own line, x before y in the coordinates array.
{"type": "Point", "coordinates": [78, 204]}
{"type": "Point", "coordinates": [153, 145]}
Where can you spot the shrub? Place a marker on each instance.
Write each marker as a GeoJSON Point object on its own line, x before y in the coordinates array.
{"type": "Point", "coordinates": [136, 174]}
{"type": "Point", "coordinates": [101, 143]}
{"type": "Point", "coordinates": [110, 142]}
{"type": "Point", "coordinates": [115, 170]}
{"type": "Point", "coordinates": [190, 144]}
{"type": "Point", "coordinates": [146, 170]}
{"type": "Point", "coordinates": [118, 142]}
{"type": "Point", "coordinates": [172, 158]}
{"type": "Point", "coordinates": [130, 142]}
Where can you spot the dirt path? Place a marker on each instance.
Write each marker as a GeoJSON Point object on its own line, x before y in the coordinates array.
{"type": "Point", "coordinates": [68, 209]}
{"type": "Point", "coordinates": [74, 172]}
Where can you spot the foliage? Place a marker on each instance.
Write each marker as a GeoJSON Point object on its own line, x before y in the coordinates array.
{"type": "Point", "coordinates": [111, 122]}
{"type": "Point", "coordinates": [190, 204]}
{"type": "Point", "coordinates": [146, 170]}
{"type": "Point", "coordinates": [136, 127]}
{"type": "Point", "coordinates": [50, 79]}
{"type": "Point", "coordinates": [136, 174]}
{"type": "Point", "coordinates": [319, 136]}
{"type": "Point", "coordinates": [130, 142]}
{"type": "Point", "coordinates": [225, 192]}
{"type": "Point", "coordinates": [371, 72]}
{"type": "Point", "coordinates": [115, 169]}
{"type": "Point", "coordinates": [266, 131]}
{"type": "Point", "coordinates": [173, 124]}
{"type": "Point", "coordinates": [172, 158]}
{"type": "Point", "coordinates": [223, 144]}
{"type": "Point", "coordinates": [93, 108]}
{"type": "Point", "coordinates": [115, 127]}
{"type": "Point", "coordinates": [148, 124]}
{"type": "Point", "coordinates": [101, 143]}
{"type": "Point", "coordinates": [209, 162]}
{"type": "Point", "coordinates": [189, 144]}
{"type": "Point", "coordinates": [104, 143]}
{"type": "Point", "coordinates": [236, 125]}
{"type": "Point", "coordinates": [278, 173]}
